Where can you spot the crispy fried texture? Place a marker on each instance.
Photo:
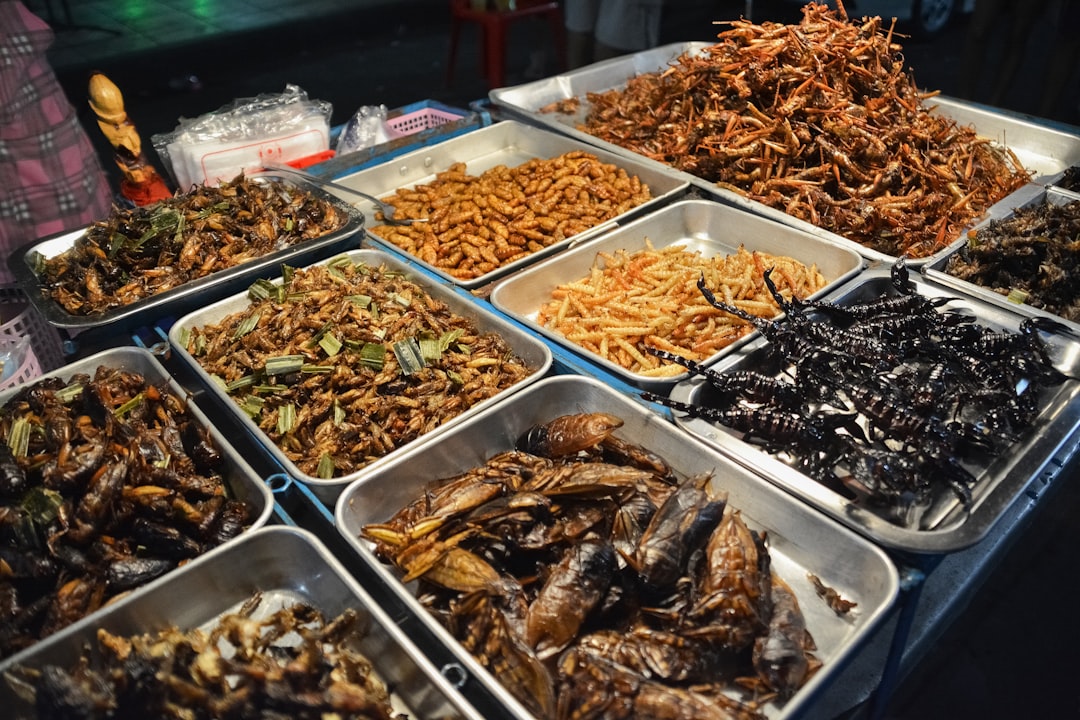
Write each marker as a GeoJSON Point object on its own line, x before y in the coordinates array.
{"type": "Point", "coordinates": [649, 299]}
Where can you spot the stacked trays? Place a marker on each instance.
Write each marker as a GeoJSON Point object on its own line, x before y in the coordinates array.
{"type": "Point", "coordinates": [285, 566]}
{"type": "Point", "coordinates": [509, 144]}
{"type": "Point", "coordinates": [1047, 152]}
{"type": "Point", "coordinates": [703, 226]}
{"type": "Point", "coordinates": [241, 481]}
{"type": "Point", "coordinates": [800, 540]}
{"type": "Point", "coordinates": [944, 524]}
{"type": "Point", "coordinates": [530, 349]}
{"type": "Point", "coordinates": [188, 296]}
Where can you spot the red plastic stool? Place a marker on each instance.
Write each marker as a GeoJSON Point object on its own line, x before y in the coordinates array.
{"type": "Point", "coordinates": [493, 25]}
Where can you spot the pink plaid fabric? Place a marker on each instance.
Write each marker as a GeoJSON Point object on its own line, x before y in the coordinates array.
{"type": "Point", "coordinates": [50, 176]}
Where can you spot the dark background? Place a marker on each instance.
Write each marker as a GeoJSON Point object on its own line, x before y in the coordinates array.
{"type": "Point", "coordinates": [353, 53]}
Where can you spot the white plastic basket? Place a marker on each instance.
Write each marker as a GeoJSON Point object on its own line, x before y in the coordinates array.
{"type": "Point", "coordinates": [20, 320]}
{"type": "Point", "coordinates": [28, 370]}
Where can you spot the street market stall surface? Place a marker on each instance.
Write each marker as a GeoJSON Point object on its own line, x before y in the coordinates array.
{"type": "Point", "coordinates": [974, 668]}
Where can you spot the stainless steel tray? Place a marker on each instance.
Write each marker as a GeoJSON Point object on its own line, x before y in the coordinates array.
{"type": "Point", "coordinates": [242, 481]}
{"type": "Point", "coordinates": [529, 348]}
{"type": "Point", "coordinates": [186, 297]}
{"type": "Point", "coordinates": [508, 143]}
{"type": "Point", "coordinates": [944, 526]}
{"type": "Point", "coordinates": [800, 539]}
{"type": "Point", "coordinates": [708, 227]}
{"type": "Point", "coordinates": [285, 565]}
{"type": "Point", "coordinates": [1046, 151]}
{"type": "Point", "coordinates": [937, 272]}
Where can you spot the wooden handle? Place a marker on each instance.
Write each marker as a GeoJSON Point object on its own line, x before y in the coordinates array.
{"type": "Point", "coordinates": [106, 100]}
{"type": "Point", "coordinates": [141, 182]}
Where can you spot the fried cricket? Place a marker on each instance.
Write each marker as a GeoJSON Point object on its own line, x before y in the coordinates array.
{"type": "Point", "coordinates": [820, 120]}
{"type": "Point", "coordinates": [343, 363]}
{"type": "Point", "coordinates": [140, 252]}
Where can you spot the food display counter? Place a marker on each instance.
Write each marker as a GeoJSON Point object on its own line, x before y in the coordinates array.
{"type": "Point", "coordinates": [875, 577]}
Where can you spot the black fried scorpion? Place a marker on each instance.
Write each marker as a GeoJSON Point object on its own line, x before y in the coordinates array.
{"type": "Point", "coordinates": [887, 400]}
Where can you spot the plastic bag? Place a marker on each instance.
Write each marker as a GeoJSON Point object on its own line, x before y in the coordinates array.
{"type": "Point", "coordinates": [243, 135]}
{"type": "Point", "coordinates": [366, 128]}
{"type": "Point", "coordinates": [13, 352]}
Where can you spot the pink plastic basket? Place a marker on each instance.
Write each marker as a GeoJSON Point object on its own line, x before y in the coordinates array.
{"type": "Point", "coordinates": [46, 350]}
{"type": "Point", "coordinates": [28, 369]}
{"type": "Point", "coordinates": [424, 119]}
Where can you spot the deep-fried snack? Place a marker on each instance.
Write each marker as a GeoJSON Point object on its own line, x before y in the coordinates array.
{"type": "Point", "coordinates": [344, 363]}
{"type": "Point", "coordinates": [478, 223]}
{"type": "Point", "coordinates": [650, 298]}
{"type": "Point", "coordinates": [820, 120]}
{"type": "Point", "coordinates": [139, 252]}
{"type": "Point", "coordinates": [292, 663]}
{"type": "Point", "coordinates": [106, 483]}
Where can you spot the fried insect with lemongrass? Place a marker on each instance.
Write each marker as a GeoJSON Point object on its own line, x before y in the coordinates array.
{"type": "Point", "coordinates": [293, 663]}
{"type": "Point", "coordinates": [820, 120]}
{"type": "Point", "coordinates": [109, 483]}
{"type": "Point", "coordinates": [591, 588]}
{"type": "Point", "coordinates": [343, 363]}
{"type": "Point", "coordinates": [1032, 256]}
{"type": "Point", "coordinates": [139, 252]}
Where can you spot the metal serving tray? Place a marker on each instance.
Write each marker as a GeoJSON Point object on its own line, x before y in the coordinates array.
{"type": "Point", "coordinates": [944, 526]}
{"type": "Point", "coordinates": [702, 225]}
{"type": "Point", "coordinates": [529, 348]}
{"type": "Point", "coordinates": [800, 539]}
{"type": "Point", "coordinates": [242, 481]}
{"type": "Point", "coordinates": [1046, 151]}
{"type": "Point", "coordinates": [186, 297]}
{"type": "Point", "coordinates": [936, 270]}
{"type": "Point", "coordinates": [286, 565]}
{"type": "Point", "coordinates": [508, 143]}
